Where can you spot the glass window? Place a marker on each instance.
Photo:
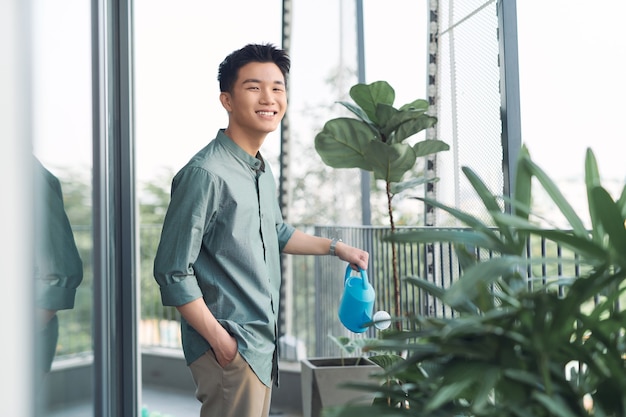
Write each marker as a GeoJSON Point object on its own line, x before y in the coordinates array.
{"type": "Point", "coordinates": [62, 159]}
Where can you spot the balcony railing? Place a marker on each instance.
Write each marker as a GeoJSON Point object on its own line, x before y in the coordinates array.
{"type": "Point", "coordinates": [312, 287]}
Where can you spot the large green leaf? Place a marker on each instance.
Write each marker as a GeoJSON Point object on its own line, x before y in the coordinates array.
{"type": "Point", "coordinates": [429, 147]}
{"type": "Point", "coordinates": [492, 206]}
{"type": "Point", "coordinates": [368, 96]}
{"type": "Point", "coordinates": [420, 104]}
{"type": "Point", "coordinates": [449, 392]}
{"type": "Point", "coordinates": [385, 114]}
{"type": "Point", "coordinates": [480, 275]}
{"type": "Point", "coordinates": [464, 237]}
{"type": "Point", "coordinates": [485, 195]}
{"type": "Point", "coordinates": [357, 112]}
{"type": "Point", "coordinates": [592, 252]}
{"type": "Point", "coordinates": [611, 219]}
{"type": "Point", "coordinates": [342, 143]}
{"type": "Point", "coordinates": [621, 202]}
{"type": "Point", "coordinates": [414, 125]}
{"type": "Point", "coordinates": [581, 245]}
{"type": "Point", "coordinates": [523, 376]}
{"type": "Point", "coordinates": [484, 392]}
{"type": "Point", "coordinates": [555, 405]}
{"type": "Point", "coordinates": [523, 186]}
{"type": "Point", "coordinates": [557, 197]}
{"type": "Point", "coordinates": [386, 361]}
{"type": "Point", "coordinates": [471, 221]}
{"type": "Point", "coordinates": [404, 123]}
{"type": "Point", "coordinates": [592, 180]}
{"type": "Point", "coordinates": [433, 289]}
{"type": "Point", "coordinates": [389, 162]}
{"type": "Point", "coordinates": [438, 292]}
{"type": "Point", "coordinates": [398, 187]}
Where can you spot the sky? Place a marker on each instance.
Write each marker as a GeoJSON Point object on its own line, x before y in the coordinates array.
{"type": "Point", "coordinates": [572, 57]}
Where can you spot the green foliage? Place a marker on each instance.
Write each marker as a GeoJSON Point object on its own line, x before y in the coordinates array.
{"type": "Point", "coordinates": [375, 141]}
{"type": "Point", "coordinates": [75, 324]}
{"type": "Point", "coordinates": [154, 199]}
{"type": "Point", "coordinates": [357, 346]}
{"type": "Point", "coordinates": [76, 195]}
{"type": "Point", "coordinates": [514, 346]}
{"type": "Point", "coordinates": [346, 345]}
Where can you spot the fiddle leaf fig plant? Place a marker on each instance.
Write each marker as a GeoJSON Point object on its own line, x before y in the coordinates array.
{"type": "Point", "coordinates": [376, 141]}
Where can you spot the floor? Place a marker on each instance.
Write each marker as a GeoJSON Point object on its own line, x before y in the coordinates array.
{"type": "Point", "coordinates": [161, 402]}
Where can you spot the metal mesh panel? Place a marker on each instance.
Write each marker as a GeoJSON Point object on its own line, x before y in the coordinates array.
{"type": "Point", "coordinates": [468, 103]}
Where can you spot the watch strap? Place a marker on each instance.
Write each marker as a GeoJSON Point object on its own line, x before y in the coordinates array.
{"type": "Point", "coordinates": [333, 245]}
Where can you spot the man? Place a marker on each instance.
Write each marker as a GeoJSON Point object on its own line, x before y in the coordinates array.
{"type": "Point", "coordinates": [218, 260]}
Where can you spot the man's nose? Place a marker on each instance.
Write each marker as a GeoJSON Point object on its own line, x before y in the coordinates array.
{"type": "Point", "coordinates": [267, 96]}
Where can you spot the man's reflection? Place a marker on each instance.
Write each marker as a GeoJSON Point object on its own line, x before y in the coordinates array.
{"type": "Point", "coordinates": [58, 266]}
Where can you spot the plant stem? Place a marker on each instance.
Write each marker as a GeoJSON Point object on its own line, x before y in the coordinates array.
{"type": "Point", "coordinates": [394, 259]}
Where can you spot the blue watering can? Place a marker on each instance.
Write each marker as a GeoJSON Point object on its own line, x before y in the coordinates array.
{"type": "Point", "coordinates": [357, 302]}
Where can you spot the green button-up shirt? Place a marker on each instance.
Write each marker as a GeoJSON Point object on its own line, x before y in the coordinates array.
{"type": "Point", "coordinates": [58, 267]}
{"type": "Point", "coordinates": [221, 240]}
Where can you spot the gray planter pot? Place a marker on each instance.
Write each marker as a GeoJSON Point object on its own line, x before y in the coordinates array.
{"type": "Point", "coordinates": [321, 377]}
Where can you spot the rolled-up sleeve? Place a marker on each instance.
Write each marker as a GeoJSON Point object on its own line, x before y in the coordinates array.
{"type": "Point", "coordinates": [191, 208]}
{"type": "Point", "coordinates": [58, 265]}
{"type": "Point", "coordinates": [283, 230]}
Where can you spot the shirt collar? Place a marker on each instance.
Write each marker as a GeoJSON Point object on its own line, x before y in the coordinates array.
{"type": "Point", "coordinates": [258, 164]}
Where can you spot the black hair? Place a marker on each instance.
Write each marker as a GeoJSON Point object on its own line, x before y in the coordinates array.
{"type": "Point", "coordinates": [229, 68]}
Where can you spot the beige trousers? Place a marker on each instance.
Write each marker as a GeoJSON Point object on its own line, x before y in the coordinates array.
{"type": "Point", "coordinates": [233, 391]}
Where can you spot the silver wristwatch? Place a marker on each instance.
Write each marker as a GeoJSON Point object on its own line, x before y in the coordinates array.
{"type": "Point", "coordinates": [333, 244]}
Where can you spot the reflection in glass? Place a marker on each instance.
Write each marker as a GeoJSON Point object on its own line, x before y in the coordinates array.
{"type": "Point", "coordinates": [62, 274]}
{"type": "Point", "coordinates": [58, 265]}
{"type": "Point", "coordinates": [63, 244]}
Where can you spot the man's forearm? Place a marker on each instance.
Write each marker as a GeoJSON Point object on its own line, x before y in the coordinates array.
{"type": "Point", "coordinates": [198, 315]}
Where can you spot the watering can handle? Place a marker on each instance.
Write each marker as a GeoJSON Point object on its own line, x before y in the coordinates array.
{"type": "Point", "coordinates": [349, 273]}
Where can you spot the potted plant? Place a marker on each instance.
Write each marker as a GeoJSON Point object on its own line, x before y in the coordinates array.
{"type": "Point", "coordinates": [377, 141]}
{"type": "Point", "coordinates": [323, 380]}
{"type": "Point", "coordinates": [517, 346]}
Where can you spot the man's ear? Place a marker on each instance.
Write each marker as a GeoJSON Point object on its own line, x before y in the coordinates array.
{"type": "Point", "coordinates": [226, 102]}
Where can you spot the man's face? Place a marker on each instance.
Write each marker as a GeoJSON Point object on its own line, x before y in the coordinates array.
{"type": "Point", "coordinates": [258, 101]}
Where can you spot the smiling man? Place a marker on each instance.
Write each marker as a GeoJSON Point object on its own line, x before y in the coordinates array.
{"type": "Point", "coordinates": [218, 260]}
